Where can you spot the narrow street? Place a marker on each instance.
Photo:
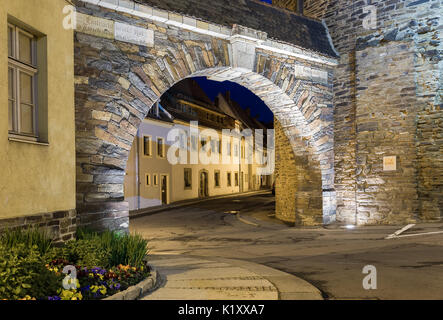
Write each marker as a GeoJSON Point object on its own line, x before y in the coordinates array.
{"type": "Point", "coordinates": [331, 258]}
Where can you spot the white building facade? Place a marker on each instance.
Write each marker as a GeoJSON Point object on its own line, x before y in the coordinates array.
{"type": "Point", "coordinates": [202, 161]}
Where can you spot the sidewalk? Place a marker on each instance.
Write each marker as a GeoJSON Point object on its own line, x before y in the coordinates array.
{"type": "Point", "coordinates": [203, 278]}
{"type": "Point", "coordinates": [152, 210]}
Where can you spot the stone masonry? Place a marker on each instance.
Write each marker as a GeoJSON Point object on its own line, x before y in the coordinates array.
{"type": "Point", "coordinates": [60, 226]}
{"type": "Point", "coordinates": [117, 82]}
{"type": "Point", "coordinates": [387, 101]}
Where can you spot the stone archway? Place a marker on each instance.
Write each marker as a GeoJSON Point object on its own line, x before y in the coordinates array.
{"type": "Point", "coordinates": [117, 82]}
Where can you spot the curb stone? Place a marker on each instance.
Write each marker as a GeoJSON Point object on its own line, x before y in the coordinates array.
{"type": "Point", "coordinates": [136, 291]}
{"type": "Point", "coordinates": [287, 286]}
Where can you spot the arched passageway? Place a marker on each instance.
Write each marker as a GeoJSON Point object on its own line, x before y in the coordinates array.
{"type": "Point", "coordinates": [118, 81]}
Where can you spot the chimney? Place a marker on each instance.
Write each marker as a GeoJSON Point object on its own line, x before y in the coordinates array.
{"type": "Point", "coordinates": [300, 7]}
{"type": "Point", "coordinates": [228, 96]}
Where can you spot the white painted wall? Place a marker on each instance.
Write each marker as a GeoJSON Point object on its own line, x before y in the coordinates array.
{"type": "Point", "coordinates": [149, 195]}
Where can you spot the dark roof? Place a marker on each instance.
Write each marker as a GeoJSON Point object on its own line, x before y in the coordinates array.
{"type": "Point", "coordinates": [162, 115]}
{"type": "Point", "coordinates": [192, 92]}
{"type": "Point", "coordinates": [279, 24]}
{"type": "Point", "coordinates": [242, 115]}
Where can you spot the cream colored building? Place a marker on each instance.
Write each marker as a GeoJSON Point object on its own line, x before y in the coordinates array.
{"type": "Point", "coordinates": [37, 128]}
{"type": "Point", "coordinates": [152, 180]}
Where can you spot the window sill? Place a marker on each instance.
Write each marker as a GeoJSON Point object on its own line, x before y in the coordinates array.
{"type": "Point", "coordinates": [17, 139]}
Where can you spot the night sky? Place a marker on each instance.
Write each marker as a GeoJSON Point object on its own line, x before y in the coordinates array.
{"type": "Point", "coordinates": [240, 94]}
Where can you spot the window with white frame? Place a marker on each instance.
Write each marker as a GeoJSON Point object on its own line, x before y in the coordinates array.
{"type": "Point", "coordinates": [160, 147]}
{"type": "Point", "coordinates": [148, 179]}
{"type": "Point", "coordinates": [217, 178]}
{"type": "Point", "coordinates": [22, 83]}
{"type": "Point", "coordinates": [194, 143]}
{"type": "Point", "coordinates": [155, 178]}
{"type": "Point", "coordinates": [147, 145]}
{"type": "Point", "coordinates": [188, 178]}
{"type": "Point", "coordinates": [228, 149]}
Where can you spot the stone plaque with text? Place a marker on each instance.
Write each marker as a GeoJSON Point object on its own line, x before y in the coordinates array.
{"type": "Point", "coordinates": [390, 163]}
{"type": "Point", "coordinates": [95, 26]}
{"type": "Point", "coordinates": [136, 35]}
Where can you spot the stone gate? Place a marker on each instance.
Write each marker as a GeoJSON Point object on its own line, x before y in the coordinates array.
{"type": "Point", "coordinates": [127, 54]}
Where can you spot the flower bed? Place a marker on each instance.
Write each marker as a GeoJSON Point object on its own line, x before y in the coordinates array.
{"type": "Point", "coordinates": [105, 264]}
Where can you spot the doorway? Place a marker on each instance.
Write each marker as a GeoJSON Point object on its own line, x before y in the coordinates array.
{"type": "Point", "coordinates": [203, 189]}
{"type": "Point", "coordinates": [164, 188]}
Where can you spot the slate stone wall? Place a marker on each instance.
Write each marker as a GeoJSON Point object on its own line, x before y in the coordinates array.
{"type": "Point", "coordinates": [61, 225]}
{"type": "Point", "coordinates": [387, 99]}
{"type": "Point", "coordinates": [117, 83]}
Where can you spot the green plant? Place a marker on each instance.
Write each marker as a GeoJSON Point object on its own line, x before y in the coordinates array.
{"type": "Point", "coordinates": [23, 273]}
{"type": "Point", "coordinates": [126, 249]}
{"type": "Point", "coordinates": [29, 237]}
{"type": "Point", "coordinates": [85, 252]}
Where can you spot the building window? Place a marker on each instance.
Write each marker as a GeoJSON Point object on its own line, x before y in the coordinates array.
{"type": "Point", "coordinates": [236, 179]}
{"type": "Point", "coordinates": [229, 179]}
{"type": "Point", "coordinates": [188, 178]}
{"type": "Point", "coordinates": [183, 142]}
{"type": "Point", "coordinates": [148, 179]}
{"type": "Point", "coordinates": [194, 143]}
{"type": "Point", "coordinates": [155, 177]}
{"type": "Point", "coordinates": [160, 147]}
{"type": "Point", "coordinates": [22, 80]}
{"type": "Point", "coordinates": [202, 142]}
{"type": "Point", "coordinates": [147, 146]}
{"type": "Point", "coordinates": [236, 150]}
{"type": "Point", "coordinates": [214, 144]}
{"type": "Point", "coordinates": [217, 178]}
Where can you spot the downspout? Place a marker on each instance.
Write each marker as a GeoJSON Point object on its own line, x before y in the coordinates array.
{"type": "Point", "coordinates": [137, 169]}
{"type": "Point", "coordinates": [300, 7]}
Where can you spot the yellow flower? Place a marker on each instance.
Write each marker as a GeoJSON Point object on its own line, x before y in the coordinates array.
{"type": "Point", "coordinates": [71, 295]}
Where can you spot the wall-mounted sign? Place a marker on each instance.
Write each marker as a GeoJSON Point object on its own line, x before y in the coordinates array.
{"type": "Point", "coordinates": [390, 163]}
{"type": "Point", "coordinates": [127, 33]}
{"type": "Point", "coordinates": [109, 29]}
{"type": "Point", "coordinates": [95, 26]}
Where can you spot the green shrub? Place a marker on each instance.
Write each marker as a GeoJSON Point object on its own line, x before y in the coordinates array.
{"type": "Point", "coordinates": [128, 250]}
{"type": "Point", "coordinates": [84, 252]}
{"type": "Point", "coordinates": [123, 249]}
{"type": "Point", "coordinates": [29, 237]}
{"type": "Point", "coordinates": [23, 272]}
